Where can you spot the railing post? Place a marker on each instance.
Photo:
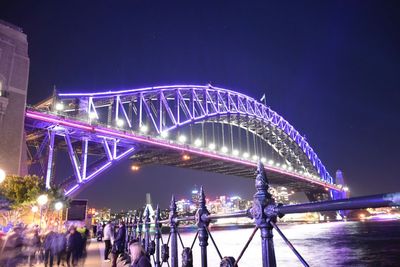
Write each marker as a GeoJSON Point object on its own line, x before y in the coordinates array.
{"type": "Point", "coordinates": [140, 228]}
{"type": "Point", "coordinates": [202, 224]}
{"type": "Point", "coordinates": [147, 231]}
{"type": "Point", "coordinates": [173, 232]}
{"type": "Point", "coordinates": [263, 200]}
{"type": "Point", "coordinates": [134, 226]}
{"type": "Point", "coordinates": [157, 235]}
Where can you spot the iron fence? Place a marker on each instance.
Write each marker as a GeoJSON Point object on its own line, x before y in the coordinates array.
{"type": "Point", "coordinates": [264, 213]}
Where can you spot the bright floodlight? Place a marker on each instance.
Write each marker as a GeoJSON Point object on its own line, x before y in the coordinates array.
{"type": "Point", "coordinates": [211, 146]}
{"type": "Point", "coordinates": [263, 160]}
{"type": "Point", "coordinates": [197, 142]}
{"type": "Point", "coordinates": [284, 166]}
{"type": "Point", "coordinates": [92, 115]}
{"type": "Point", "coordinates": [2, 175]}
{"type": "Point", "coordinates": [58, 206]}
{"type": "Point", "coordinates": [290, 168]}
{"type": "Point", "coordinates": [42, 199]}
{"type": "Point", "coordinates": [164, 134]}
{"type": "Point", "coordinates": [255, 157]}
{"type": "Point", "coordinates": [59, 106]}
{"type": "Point", "coordinates": [246, 155]}
{"type": "Point", "coordinates": [144, 129]}
{"type": "Point", "coordinates": [271, 162]}
{"type": "Point", "coordinates": [346, 189]}
{"type": "Point", "coordinates": [182, 138]}
{"type": "Point", "coordinates": [278, 164]}
{"type": "Point", "coordinates": [120, 123]}
{"type": "Point", "coordinates": [35, 209]}
{"type": "Point", "coordinates": [224, 149]}
{"type": "Point", "coordinates": [235, 152]}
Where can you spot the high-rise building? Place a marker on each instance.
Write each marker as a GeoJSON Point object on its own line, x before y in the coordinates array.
{"type": "Point", "coordinates": [14, 71]}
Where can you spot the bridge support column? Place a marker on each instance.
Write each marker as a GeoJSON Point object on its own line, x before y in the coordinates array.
{"type": "Point", "coordinates": [49, 173]}
{"type": "Point", "coordinates": [147, 232]}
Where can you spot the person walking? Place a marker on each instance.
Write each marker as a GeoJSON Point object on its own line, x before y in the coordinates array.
{"type": "Point", "coordinates": [74, 246]}
{"type": "Point", "coordinates": [108, 240]}
{"type": "Point", "coordinates": [49, 248]}
{"type": "Point", "coordinates": [119, 243]}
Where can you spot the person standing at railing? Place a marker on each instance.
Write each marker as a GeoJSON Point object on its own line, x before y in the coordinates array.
{"type": "Point", "coordinates": [119, 243]}
{"type": "Point", "coordinates": [108, 240]}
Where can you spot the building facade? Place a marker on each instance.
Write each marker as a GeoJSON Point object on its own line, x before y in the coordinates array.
{"type": "Point", "coordinates": [14, 72]}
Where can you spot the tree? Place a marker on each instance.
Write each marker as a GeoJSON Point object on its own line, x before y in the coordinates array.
{"type": "Point", "coordinates": [22, 193]}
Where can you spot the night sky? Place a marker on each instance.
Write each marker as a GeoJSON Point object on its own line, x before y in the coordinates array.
{"type": "Point", "coordinates": [331, 68]}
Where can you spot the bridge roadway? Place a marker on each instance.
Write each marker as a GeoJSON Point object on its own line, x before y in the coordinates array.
{"type": "Point", "coordinates": [150, 150]}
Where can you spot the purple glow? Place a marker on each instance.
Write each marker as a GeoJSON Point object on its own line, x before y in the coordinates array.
{"type": "Point", "coordinates": [149, 140]}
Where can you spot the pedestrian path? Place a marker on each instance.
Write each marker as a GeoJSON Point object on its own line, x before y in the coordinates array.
{"type": "Point", "coordinates": [94, 256]}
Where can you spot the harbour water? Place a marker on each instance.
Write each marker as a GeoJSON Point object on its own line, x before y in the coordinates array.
{"type": "Point", "coordinates": [369, 243]}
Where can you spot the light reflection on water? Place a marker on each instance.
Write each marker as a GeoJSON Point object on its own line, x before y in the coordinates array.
{"type": "Point", "coordinates": [325, 244]}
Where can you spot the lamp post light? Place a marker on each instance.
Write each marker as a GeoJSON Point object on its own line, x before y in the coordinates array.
{"type": "Point", "coordinates": [42, 200]}
{"type": "Point", "coordinates": [58, 207]}
{"type": "Point", "coordinates": [34, 210]}
{"type": "Point", "coordinates": [2, 175]}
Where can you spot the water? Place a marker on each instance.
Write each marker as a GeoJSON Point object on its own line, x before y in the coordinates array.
{"type": "Point", "coordinates": [372, 243]}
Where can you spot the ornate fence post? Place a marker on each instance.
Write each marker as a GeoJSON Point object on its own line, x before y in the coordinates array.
{"type": "Point", "coordinates": [157, 235]}
{"type": "Point", "coordinates": [173, 232]}
{"type": "Point", "coordinates": [263, 200]}
{"type": "Point", "coordinates": [134, 226]}
{"type": "Point", "coordinates": [140, 227]}
{"type": "Point", "coordinates": [147, 231]}
{"type": "Point", "coordinates": [202, 224]}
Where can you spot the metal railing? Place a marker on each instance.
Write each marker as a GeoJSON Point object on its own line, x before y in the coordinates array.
{"type": "Point", "coordinates": [264, 213]}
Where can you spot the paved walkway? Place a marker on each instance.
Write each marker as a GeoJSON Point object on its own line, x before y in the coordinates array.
{"type": "Point", "coordinates": [95, 255]}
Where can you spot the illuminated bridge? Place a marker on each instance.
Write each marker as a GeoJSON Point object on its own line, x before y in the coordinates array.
{"type": "Point", "coordinates": [189, 126]}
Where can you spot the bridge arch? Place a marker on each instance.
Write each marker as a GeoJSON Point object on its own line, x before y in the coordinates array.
{"type": "Point", "coordinates": [163, 109]}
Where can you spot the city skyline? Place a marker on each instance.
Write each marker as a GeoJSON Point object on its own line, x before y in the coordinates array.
{"type": "Point", "coordinates": [335, 80]}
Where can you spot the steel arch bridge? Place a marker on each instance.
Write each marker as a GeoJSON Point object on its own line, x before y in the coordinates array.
{"type": "Point", "coordinates": [199, 127]}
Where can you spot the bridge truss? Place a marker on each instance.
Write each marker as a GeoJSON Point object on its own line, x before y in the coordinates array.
{"type": "Point", "coordinates": [166, 123]}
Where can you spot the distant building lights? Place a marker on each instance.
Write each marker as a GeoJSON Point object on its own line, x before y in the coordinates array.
{"type": "Point", "coordinates": [185, 157]}
{"type": "Point", "coordinates": [198, 142]}
{"type": "Point", "coordinates": [211, 146]}
{"type": "Point", "coordinates": [144, 128]}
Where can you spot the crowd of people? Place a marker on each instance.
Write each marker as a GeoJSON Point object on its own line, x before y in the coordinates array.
{"type": "Point", "coordinates": [123, 254]}
{"type": "Point", "coordinates": [27, 246]}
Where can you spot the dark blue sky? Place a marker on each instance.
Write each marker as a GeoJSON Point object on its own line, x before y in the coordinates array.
{"type": "Point", "coordinates": [331, 68]}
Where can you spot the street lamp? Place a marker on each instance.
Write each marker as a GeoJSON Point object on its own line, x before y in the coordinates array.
{"type": "Point", "coordinates": [34, 210]}
{"type": "Point", "coordinates": [2, 175]}
{"type": "Point", "coordinates": [42, 200]}
{"type": "Point", "coordinates": [58, 207]}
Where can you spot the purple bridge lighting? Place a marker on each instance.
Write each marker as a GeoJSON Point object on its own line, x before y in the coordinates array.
{"type": "Point", "coordinates": [189, 126]}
